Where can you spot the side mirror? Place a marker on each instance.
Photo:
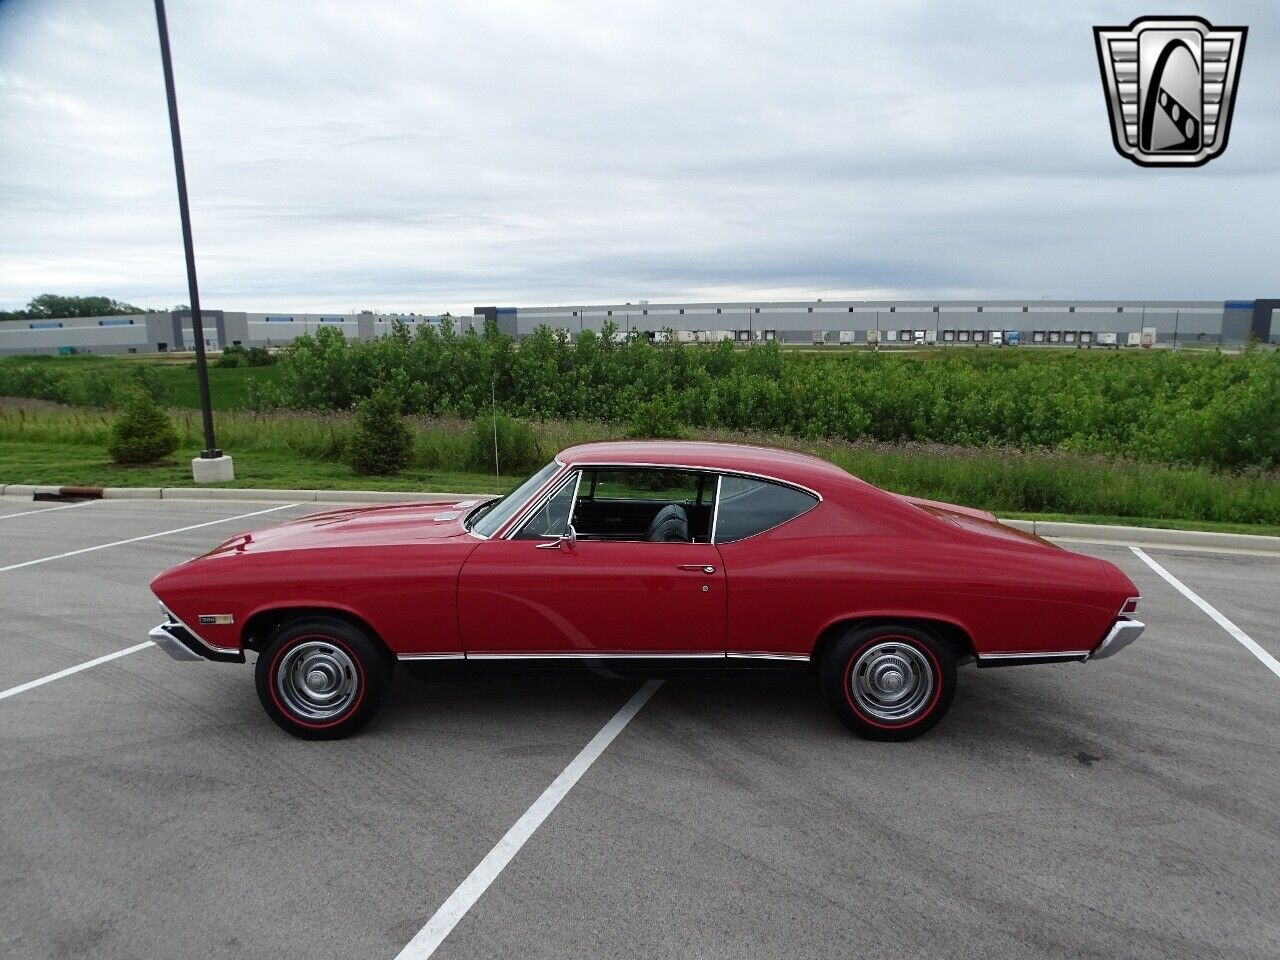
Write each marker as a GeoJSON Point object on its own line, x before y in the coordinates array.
{"type": "Point", "coordinates": [570, 537]}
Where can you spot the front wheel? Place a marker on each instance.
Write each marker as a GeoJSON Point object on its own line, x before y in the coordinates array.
{"type": "Point", "coordinates": [889, 681]}
{"type": "Point", "coordinates": [321, 678]}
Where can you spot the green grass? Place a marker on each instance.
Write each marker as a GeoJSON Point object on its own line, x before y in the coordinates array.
{"type": "Point", "coordinates": [58, 445]}
{"type": "Point", "coordinates": [89, 465]}
{"type": "Point", "coordinates": [228, 386]}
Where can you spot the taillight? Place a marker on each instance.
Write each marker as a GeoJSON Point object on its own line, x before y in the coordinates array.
{"type": "Point", "coordinates": [1130, 605]}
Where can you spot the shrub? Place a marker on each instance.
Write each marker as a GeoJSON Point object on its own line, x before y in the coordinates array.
{"type": "Point", "coordinates": [142, 431]}
{"type": "Point", "coordinates": [149, 380]}
{"type": "Point", "coordinates": [232, 356]}
{"type": "Point", "coordinates": [658, 419]}
{"type": "Point", "coordinates": [382, 442]}
{"type": "Point", "coordinates": [518, 447]}
{"type": "Point", "coordinates": [259, 357]}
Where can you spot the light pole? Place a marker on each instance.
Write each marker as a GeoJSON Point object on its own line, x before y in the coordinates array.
{"type": "Point", "coordinates": [212, 465]}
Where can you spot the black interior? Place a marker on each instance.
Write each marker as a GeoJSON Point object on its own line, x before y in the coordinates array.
{"type": "Point", "coordinates": [634, 518]}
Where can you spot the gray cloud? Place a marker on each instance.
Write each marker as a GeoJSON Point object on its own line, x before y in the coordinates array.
{"type": "Point", "coordinates": [442, 155]}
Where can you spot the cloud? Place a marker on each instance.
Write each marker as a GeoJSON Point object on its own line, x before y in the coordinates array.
{"type": "Point", "coordinates": [431, 156]}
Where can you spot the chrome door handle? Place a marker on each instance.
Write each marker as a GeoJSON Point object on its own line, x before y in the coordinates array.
{"type": "Point", "coordinates": [696, 567]}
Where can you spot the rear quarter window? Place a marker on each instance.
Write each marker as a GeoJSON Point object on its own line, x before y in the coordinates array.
{"type": "Point", "coordinates": [748, 506]}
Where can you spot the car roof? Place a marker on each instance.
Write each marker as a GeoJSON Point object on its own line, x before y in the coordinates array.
{"type": "Point", "coordinates": [786, 465]}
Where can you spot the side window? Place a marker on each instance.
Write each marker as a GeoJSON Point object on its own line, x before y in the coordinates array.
{"type": "Point", "coordinates": [653, 504]}
{"type": "Point", "coordinates": [669, 486]}
{"type": "Point", "coordinates": [748, 506]}
{"type": "Point", "coordinates": [551, 519]}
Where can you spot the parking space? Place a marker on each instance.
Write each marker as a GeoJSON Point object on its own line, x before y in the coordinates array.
{"type": "Point", "coordinates": [1119, 808]}
{"type": "Point", "coordinates": [14, 507]}
{"type": "Point", "coordinates": [1122, 808]}
{"type": "Point", "coordinates": [71, 608]}
{"type": "Point", "coordinates": [1249, 587]}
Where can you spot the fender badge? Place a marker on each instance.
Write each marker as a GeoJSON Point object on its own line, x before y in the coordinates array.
{"type": "Point", "coordinates": [218, 619]}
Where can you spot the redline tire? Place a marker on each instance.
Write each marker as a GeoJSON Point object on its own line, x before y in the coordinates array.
{"type": "Point", "coordinates": [321, 678]}
{"type": "Point", "coordinates": [889, 681]}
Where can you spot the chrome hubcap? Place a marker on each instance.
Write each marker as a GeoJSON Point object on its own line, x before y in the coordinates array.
{"type": "Point", "coordinates": [891, 682]}
{"type": "Point", "coordinates": [317, 680]}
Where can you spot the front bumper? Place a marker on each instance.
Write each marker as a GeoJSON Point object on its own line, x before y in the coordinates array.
{"type": "Point", "coordinates": [1122, 633]}
{"type": "Point", "coordinates": [182, 644]}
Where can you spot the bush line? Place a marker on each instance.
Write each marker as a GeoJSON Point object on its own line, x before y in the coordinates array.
{"type": "Point", "coordinates": [994, 478]}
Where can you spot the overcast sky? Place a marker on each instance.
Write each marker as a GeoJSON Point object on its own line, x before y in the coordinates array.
{"type": "Point", "coordinates": [344, 155]}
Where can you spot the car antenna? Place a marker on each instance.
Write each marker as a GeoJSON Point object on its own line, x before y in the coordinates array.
{"type": "Point", "coordinates": [493, 398]}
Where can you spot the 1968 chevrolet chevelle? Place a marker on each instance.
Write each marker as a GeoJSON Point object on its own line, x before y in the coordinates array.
{"type": "Point", "coordinates": [647, 555]}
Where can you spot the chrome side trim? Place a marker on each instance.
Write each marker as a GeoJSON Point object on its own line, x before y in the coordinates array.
{"type": "Point", "coordinates": [539, 499]}
{"type": "Point", "coordinates": [719, 471]}
{"type": "Point", "coordinates": [431, 656]}
{"type": "Point", "coordinates": [715, 510]}
{"type": "Point", "coordinates": [517, 519]}
{"type": "Point", "coordinates": [1121, 634]}
{"type": "Point", "coordinates": [1055, 655]}
{"type": "Point", "coordinates": [747, 655]}
{"type": "Point", "coordinates": [596, 655]}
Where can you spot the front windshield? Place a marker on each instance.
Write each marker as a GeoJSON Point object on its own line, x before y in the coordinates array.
{"type": "Point", "coordinates": [502, 511]}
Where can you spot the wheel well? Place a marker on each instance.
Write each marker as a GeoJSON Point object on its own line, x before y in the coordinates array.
{"type": "Point", "coordinates": [259, 627]}
{"type": "Point", "coordinates": [956, 638]}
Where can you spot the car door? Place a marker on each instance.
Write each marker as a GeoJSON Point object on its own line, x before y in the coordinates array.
{"type": "Point", "coordinates": [545, 591]}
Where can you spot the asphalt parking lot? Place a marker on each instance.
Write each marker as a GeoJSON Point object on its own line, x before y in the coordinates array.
{"type": "Point", "coordinates": [1125, 808]}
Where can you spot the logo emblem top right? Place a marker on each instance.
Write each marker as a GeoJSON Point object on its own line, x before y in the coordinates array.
{"type": "Point", "coordinates": [1170, 84]}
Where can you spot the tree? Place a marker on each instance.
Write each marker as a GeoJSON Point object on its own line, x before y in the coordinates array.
{"type": "Point", "coordinates": [51, 306]}
{"type": "Point", "coordinates": [142, 432]}
{"type": "Point", "coordinates": [382, 443]}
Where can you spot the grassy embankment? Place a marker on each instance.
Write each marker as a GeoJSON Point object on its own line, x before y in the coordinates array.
{"type": "Point", "coordinates": [229, 386]}
{"type": "Point", "coordinates": [43, 443]}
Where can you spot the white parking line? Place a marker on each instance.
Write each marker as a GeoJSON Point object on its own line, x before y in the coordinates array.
{"type": "Point", "coordinates": [1246, 641]}
{"type": "Point", "coordinates": [461, 900]}
{"type": "Point", "coordinates": [149, 536]}
{"type": "Point", "coordinates": [65, 506]}
{"type": "Point", "coordinates": [76, 669]}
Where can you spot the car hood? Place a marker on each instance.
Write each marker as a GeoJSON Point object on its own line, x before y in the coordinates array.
{"type": "Point", "coordinates": [382, 525]}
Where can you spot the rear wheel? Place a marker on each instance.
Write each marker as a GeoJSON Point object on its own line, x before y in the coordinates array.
{"type": "Point", "coordinates": [321, 678]}
{"type": "Point", "coordinates": [889, 681]}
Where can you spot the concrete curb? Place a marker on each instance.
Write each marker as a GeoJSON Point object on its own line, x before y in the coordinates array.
{"type": "Point", "coordinates": [1155, 536]}
{"type": "Point", "coordinates": [1074, 532]}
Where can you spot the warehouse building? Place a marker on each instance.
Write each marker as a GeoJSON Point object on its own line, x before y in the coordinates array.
{"type": "Point", "coordinates": [1049, 323]}
{"type": "Point", "coordinates": [169, 332]}
{"type": "Point", "coordinates": [911, 322]}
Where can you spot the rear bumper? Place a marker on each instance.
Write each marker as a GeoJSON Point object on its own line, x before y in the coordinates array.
{"type": "Point", "coordinates": [1122, 633]}
{"type": "Point", "coordinates": [182, 644]}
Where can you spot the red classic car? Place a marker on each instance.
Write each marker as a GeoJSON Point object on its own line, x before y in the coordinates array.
{"type": "Point", "coordinates": [647, 555]}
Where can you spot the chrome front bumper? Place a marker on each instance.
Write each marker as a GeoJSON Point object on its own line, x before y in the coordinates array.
{"type": "Point", "coordinates": [181, 644]}
{"type": "Point", "coordinates": [1121, 634]}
